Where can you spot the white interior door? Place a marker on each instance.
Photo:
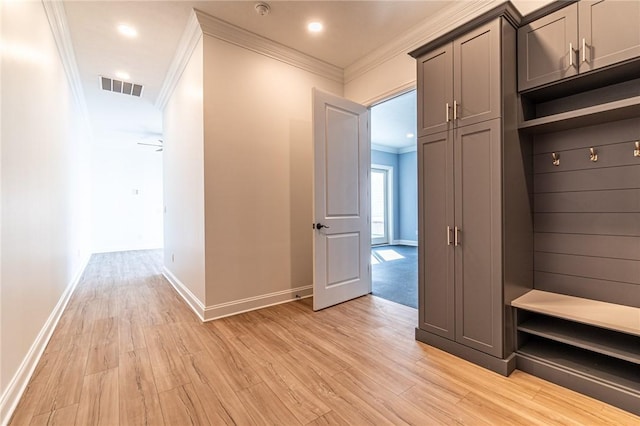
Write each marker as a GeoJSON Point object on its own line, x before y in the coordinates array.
{"type": "Point", "coordinates": [342, 233]}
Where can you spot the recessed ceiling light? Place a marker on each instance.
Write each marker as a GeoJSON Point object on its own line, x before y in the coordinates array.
{"type": "Point", "coordinates": [127, 30]}
{"type": "Point", "coordinates": [123, 75]}
{"type": "Point", "coordinates": [315, 27]}
{"type": "Point", "coordinates": [410, 135]}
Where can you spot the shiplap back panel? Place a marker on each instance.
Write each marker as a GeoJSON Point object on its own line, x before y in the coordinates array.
{"type": "Point", "coordinates": [587, 214]}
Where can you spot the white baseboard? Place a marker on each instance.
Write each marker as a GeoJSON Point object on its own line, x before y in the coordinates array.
{"type": "Point", "coordinates": [194, 303]}
{"type": "Point", "coordinates": [227, 309]}
{"type": "Point", "coordinates": [11, 396]}
{"type": "Point", "coordinates": [405, 243]}
{"type": "Point", "coordinates": [258, 302]}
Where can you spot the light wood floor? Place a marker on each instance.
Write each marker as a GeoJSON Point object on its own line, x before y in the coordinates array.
{"type": "Point", "coordinates": [129, 351]}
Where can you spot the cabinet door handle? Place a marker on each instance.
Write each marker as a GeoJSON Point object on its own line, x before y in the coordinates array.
{"type": "Point", "coordinates": [570, 54]}
{"type": "Point", "coordinates": [456, 237]}
{"type": "Point", "coordinates": [447, 111]}
{"type": "Point", "coordinates": [455, 110]}
{"type": "Point", "coordinates": [448, 235]}
{"type": "Point", "coordinates": [584, 50]}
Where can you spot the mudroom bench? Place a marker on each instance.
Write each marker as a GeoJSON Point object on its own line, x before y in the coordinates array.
{"type": "Point", "coordinates": [586, 345]}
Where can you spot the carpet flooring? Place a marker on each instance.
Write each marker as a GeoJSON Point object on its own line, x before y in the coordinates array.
{"type": "Point", "coordinates": [395, 274]}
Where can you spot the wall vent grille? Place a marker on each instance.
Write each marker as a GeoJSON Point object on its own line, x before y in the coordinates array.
{"type": "Point", "coordinates": [124, 87]}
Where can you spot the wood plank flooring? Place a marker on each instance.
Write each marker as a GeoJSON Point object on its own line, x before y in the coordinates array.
{"type": "Point", "coordinates": [128, 351]}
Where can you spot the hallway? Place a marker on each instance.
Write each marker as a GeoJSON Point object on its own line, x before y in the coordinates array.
{"type": "Point", "coordinates": [129, 351]}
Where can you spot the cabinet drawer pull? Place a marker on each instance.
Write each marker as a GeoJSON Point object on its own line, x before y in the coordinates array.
{"type": "Point", "coordinates": [447, 111]}
{"type": "Point", "coordinates": [570, 54]}
{"type": "Point", "coordinates": [448, 235]}
{"type": "Point", "coordinates": [455, 110]}
{"type": "Point", "coordinates": [456, 237]}
{"type": "Point", "coordinates": [584, 50]}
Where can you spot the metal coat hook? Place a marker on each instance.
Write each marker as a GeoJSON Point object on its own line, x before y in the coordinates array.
{"type": "Point", "coordinates": [636, 152]}
{"type": "Point", "coordinates": [556, 159]}
{"type": "Point", "coordinates": [593, 154]}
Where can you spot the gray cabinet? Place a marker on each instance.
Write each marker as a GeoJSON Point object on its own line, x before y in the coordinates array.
{"type": "Point", "coordinates": [477, 239]}
{"type": "Point", "coordinates": [546, 48]}
{"type": "Point", "coordinates": [461, 212]}
{"type": "Point", "coordinates": [609, 32]}
{"type": "Point", "coordinates": [581, 37]}
{"type": "Point", "coordinates": [436, 216]}
{"type": "Point", "coordinates": [459, 82]}
{"type": "Point", "coordinates": [471, 171]}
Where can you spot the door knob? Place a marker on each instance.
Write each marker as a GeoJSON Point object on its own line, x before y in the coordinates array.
{"type": "Point", "coordinates": [319, 226]}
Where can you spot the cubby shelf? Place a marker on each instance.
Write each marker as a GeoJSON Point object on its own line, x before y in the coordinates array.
{"type": "Point", "coordinates": [611, 316]}
{"type": "Point", "coordinates": [621, 375]}
{"type": "Point", "coordinates": [597, 114]}
{"type": "Point", "coordinates": [586, 345]}
{"type": "Point", "coordinates": [605, 342]}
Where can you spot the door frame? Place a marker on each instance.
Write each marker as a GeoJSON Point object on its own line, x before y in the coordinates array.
{"type": "Point", "coordinates": [389, 203]}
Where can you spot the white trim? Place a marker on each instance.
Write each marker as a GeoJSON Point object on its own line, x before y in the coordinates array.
{"type": "Point", "coordinates": [433, 27]}
{"type": "Point", "coordinates": [11, 396]}
{"type": "Point", "coordinates": [405, 243]}
{"type": "Point", "coordinates": [194, 303]}
{"type": "Point", "coordinates": [382, 148]}
{"type": "Point", "coordinates": [390, 94]}
{"type": "Point", "coordinates": [57, 18]}
{"type": "Point", "coordinates": [234, 307]}
{"type": "Point", "coordinates": [408, 149]}
{"type": "Point", "coordinates": [225, 31]}
{"type": "Point", "coordinates": [188, 42]}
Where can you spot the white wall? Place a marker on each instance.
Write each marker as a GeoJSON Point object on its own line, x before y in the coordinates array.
{"type": "Point", "coordinates": [258, 176]}
{"type": "Point", "coordinates": [126, 187]}
{"type": "Point", "coordinates": [397, 72]}
{"type": "Point", "coordinates": [45, 203]}
{"type": "Point", "coordinates": [184, 237]}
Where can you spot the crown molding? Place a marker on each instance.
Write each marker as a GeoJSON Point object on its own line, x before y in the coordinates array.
{"type": "Point", "coordinates": [428, 30]}
{"type": "Point", "coordinates": [187, 44]}
{"type": "Point", "coordinates": [225, 31]}
{"type": "Point", "coordinates": [383, 148]}
{"type": "Point", "coordinates": [408, 149]}
{"type": "Point", "coordinates": [57, 18]}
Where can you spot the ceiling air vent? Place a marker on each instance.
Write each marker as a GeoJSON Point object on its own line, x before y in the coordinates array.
{"type": "Point", "coordinates": [124, 87]}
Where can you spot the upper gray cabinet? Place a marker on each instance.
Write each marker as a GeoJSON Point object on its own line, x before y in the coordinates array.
{"type": "Point", "coordinates": [546, 48]}
{"type": "Point", "coordinates": [581, 37]}
{"type": "Point", "coordinates": [459, 83]}
{"type": "Point", "coordinates": [609, 32]}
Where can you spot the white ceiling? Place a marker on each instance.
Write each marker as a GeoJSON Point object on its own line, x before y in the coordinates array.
{"type": "Point", "coordinates": [352, 29]}
{"type": "Point", "coordinates": [393, 121]}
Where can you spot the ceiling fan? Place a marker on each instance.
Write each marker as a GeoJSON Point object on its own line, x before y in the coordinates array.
{"type": "Point", "coordinates": [156, 145]}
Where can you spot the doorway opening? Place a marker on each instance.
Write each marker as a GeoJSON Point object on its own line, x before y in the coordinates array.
{"type": "Point", "coordinates": [394, 206]}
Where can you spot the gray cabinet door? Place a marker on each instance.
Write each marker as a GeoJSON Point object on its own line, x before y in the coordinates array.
{"type": "Point", "coordinates": [609, 32]}
{"type": "Point", "coordinates": [547, 48]}
{"type": "Point", "coordinates": [435, 201]}
{"type": "Point", "coordinates": [435, 89]}
{"type": "Point", "coordinates": [476, 75]}
{"type": "Point", "coordinates": [478, 251]}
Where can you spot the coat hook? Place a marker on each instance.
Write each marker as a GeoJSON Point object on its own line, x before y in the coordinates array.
{"type": "Point", "coordinates": [593, 155]}
{"type": "Point", "coordinates": [556, 159]}
{"type": "Point", "coordinates": [636, 152]}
